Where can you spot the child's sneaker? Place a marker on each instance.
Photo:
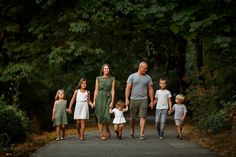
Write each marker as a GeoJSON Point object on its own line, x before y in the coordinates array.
{"type": "Point", "coordinates": [160, 138]}
{"type": "Point", "coordinates": [57, 139]}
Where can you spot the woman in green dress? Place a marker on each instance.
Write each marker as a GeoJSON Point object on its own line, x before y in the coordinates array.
{"type": "Point", "coordinates": [104, 95]}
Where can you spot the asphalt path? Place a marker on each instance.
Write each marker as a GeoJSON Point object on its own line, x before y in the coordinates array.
{"type": "Point", "coordinates": [170, 146]}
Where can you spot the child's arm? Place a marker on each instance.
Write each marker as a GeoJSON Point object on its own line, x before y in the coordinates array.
{"type": "Point", "coordinates": [185, 112]}
{"type": "Point", "coordinates": [89, 100]}
{"type": "Point", "coordinates": [72, 101]}
{"type": "Point", "coordinates": [155, 101]}
{"type": "Point", "coordinates": [110, 110]}
{"type": "Point", "coordinates": [172, 110]}
{"type": "Point", "coordinates": [184, 115]}
{"type": "Point", "coordinates": [170, 105]}
{"type": "Point", "coordinates": [53, 111]}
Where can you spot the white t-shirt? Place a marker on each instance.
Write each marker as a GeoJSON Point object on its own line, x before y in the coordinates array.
{"type": "Point", "coordinates": [162, 98]}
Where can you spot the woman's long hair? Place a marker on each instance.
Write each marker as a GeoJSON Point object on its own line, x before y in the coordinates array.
{"type": "Point", "coordinates": [101, 71]}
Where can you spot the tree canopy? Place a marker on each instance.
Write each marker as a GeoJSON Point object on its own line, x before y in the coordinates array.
{"type": "Point", "coordinates": [50, 44]}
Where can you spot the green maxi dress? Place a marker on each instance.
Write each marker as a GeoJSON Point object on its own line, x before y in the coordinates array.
{"type": "Point", "coordinates": [103, 99]}
{"type": "Point", "coordinates": [60, 114]}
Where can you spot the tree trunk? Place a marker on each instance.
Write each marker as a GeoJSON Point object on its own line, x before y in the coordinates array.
{"type": "Point", "coordinates": [199, 56]}
{"type": "Point", "coordinates": [199, 51]}
{"type": "Point", "coordinates": [181, 61]}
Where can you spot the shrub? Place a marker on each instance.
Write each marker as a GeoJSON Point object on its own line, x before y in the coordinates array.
{"type": "Point", "coordinates": [214, 122]}
{"type": "Point", "coordinates": [14, 123]}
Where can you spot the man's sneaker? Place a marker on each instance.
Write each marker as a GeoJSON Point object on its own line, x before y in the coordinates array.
{"type": "Point", "coordinates": [160, 138]}
{"type": "Point", "coordinates": [141, 137]}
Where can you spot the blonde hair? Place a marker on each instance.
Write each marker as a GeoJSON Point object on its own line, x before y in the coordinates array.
{"type": "Point", "coordinates": [57, 94]}
{"type": "Point", "coordinates": [180, 97]}
{"type": "Point", "coordinates": [120, 103]}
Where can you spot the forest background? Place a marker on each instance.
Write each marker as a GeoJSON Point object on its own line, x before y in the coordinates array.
{"type": "Point", "coordinates": [46, 45]}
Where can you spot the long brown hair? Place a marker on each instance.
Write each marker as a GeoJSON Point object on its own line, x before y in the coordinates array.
{"type": "Point", "coordinates": [101, 71]}
{"type": "Point", "coordinates": [80, 82]}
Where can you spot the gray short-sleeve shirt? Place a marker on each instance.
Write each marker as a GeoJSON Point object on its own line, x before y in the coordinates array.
{"type": "Point", "coordinates": [179, 110]}
{"type": "Point", "coordinates": [140, 84]}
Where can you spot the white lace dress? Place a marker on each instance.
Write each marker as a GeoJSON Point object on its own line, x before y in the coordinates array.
{"type": "Point", "coordinates": [81, 106]}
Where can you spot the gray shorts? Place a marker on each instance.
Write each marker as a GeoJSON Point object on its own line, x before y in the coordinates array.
{"type": "Point", "coordinates": [138, 108]}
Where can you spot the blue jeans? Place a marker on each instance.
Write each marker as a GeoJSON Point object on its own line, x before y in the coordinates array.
{"type": "Point", "coordinates": [161, 115]}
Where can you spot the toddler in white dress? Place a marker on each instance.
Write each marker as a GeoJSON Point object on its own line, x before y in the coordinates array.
{"type": "Point", "coordinates": [119, 119]}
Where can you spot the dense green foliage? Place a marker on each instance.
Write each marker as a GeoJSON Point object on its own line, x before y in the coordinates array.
{"type": "Point", "coordinates": [16, 124]}
{"type": "Point", "coordinates": [50, 44]}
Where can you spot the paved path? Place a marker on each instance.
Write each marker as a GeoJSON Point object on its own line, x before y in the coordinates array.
{"type": "Point", "coordinates": [170, 146]}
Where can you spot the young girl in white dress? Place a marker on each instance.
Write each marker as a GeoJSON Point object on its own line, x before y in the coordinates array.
{"type": "Point", "coordinates": [82, 97]}
{"type": "Point", "coordinates": [119, 119]}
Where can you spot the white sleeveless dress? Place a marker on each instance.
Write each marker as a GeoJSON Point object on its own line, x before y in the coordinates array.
{"type": "Point", "coordinates": [81, 106]}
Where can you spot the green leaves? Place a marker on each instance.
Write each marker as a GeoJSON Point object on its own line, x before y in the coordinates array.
{"type": "Point", "coordinates": [17, 71]}
{"type": "Point", "coordinates": [55, 43]}
{"type": "Point", "coordinates": [201, 25]}
{"type": "Point", "coordinates": [125, 7]}
{"type": "Point", "coordinates": [15, 122]}
{"type": "Point", "coordinates": [79, 26]}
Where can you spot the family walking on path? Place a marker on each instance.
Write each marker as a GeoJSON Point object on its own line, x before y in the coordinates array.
{"type": "Point", "coordinates": [158, 132]}
{"type": "Point", "coordinates": [138, 89]}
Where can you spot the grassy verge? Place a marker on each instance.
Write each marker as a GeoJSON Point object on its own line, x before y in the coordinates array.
{"type": "Point", "coordinates": [35, 141]}
{"type": "Point", "coordinates": [223, 143]}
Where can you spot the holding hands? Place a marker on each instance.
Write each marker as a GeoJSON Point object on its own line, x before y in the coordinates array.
{"type": "Point", "coordinates": [169, 112]}
{"type": "Point", "coordinates": [151, 105]}
{"type": "Point", "coordinates": [92, 105]}
{"type": "Point", "coordinates": [69, 110]}
{"type": "Point", "coordinates": [127, 102]}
